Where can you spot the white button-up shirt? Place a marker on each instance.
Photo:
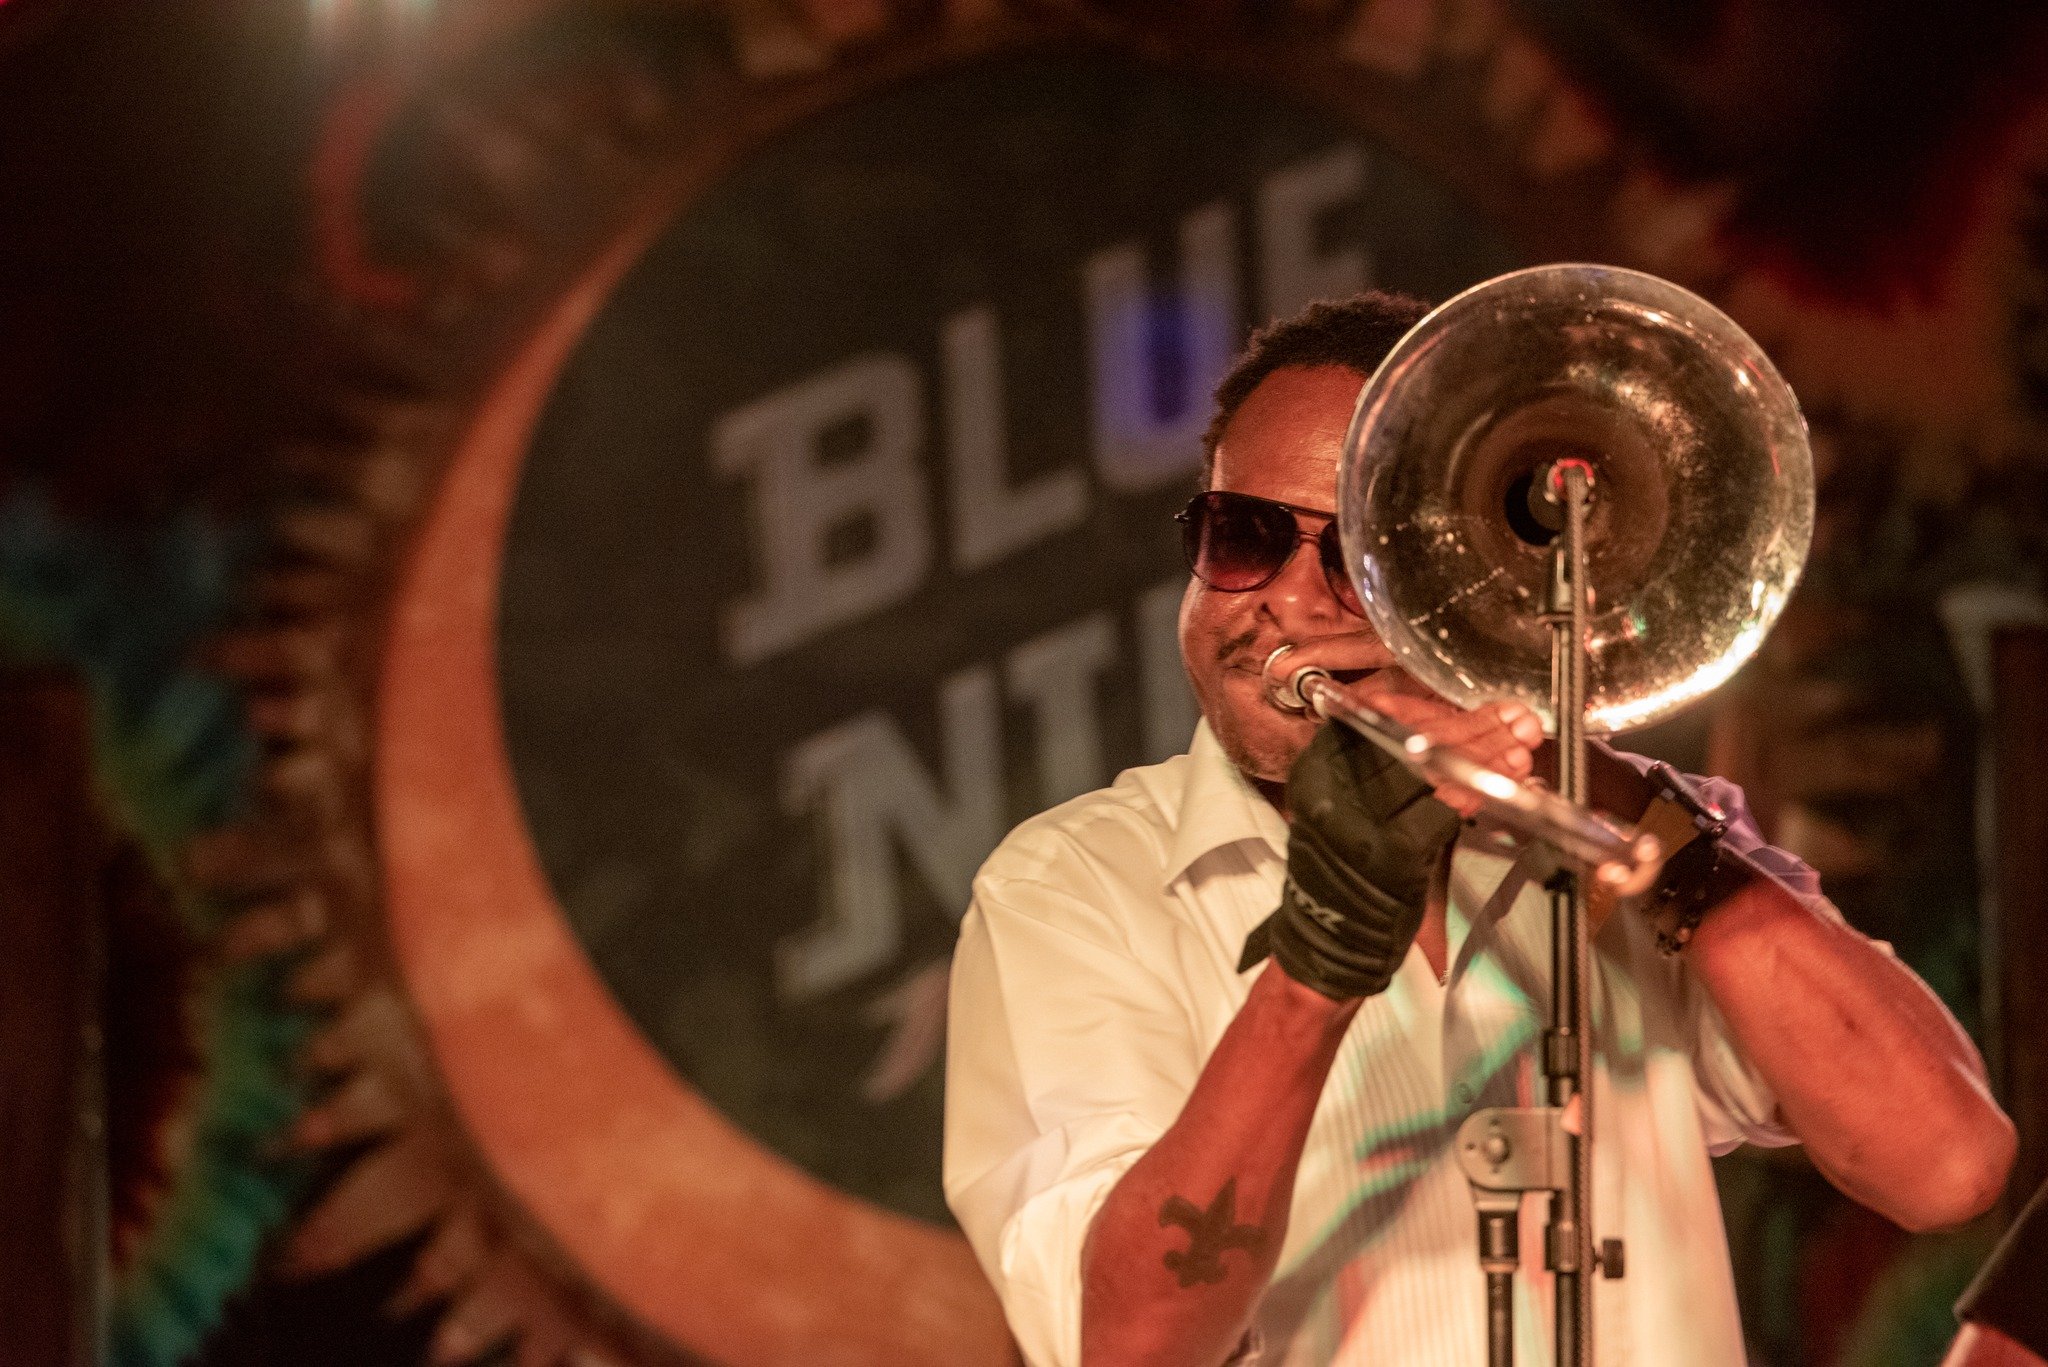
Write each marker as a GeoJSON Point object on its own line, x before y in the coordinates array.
{"type": "Point", "coordinates": [1096, 970]}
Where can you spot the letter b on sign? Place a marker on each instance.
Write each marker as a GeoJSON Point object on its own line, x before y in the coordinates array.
{"type": "Point", "coordinates": [805, 494]}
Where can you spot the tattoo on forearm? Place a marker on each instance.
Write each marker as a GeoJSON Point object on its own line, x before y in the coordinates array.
{"type": "Point", "coordinates": [1211, 1233]}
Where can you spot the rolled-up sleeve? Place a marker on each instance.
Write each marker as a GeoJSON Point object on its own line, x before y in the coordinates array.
{"type": "Point", "coordinates": [1065, 1058]}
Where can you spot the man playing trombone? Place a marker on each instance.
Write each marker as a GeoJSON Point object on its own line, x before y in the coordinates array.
{"type": "Point", "coordinates": [1196, 1100]}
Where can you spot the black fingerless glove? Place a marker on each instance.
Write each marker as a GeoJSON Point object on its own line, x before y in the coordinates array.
{"type": "Point", "coordinates": [1365, 834]}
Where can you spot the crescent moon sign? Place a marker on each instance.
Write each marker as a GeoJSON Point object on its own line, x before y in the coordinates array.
{"type": "Point", "coordinates": [700, 1232]}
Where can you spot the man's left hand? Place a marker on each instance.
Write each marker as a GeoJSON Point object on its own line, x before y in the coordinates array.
{"type": "Point", "coordinates": [1502, 736]}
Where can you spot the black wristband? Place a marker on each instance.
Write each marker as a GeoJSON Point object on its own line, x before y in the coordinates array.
{"type": "Point", "coordinates": [1702, 872]}
{"type": "Point", "coordinates": [1697, 879]}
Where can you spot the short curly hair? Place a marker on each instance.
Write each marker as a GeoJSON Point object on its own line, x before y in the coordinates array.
{"type": "Point", "coordinates": [1356, 333]}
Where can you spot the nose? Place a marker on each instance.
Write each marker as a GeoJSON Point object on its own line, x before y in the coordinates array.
{"type": "Point", "coordinates": [1299, 598]}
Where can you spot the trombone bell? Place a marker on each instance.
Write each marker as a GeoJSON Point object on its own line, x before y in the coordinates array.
{"type": "Point", "coordinates": [1702, 510]}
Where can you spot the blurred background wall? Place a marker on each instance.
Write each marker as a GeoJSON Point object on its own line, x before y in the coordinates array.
{"type": "Point", "coordinates": [540, 544]}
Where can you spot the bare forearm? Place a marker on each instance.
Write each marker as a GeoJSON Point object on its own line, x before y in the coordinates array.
{"type": "Point", "coordinates": [1184, 1245]}
{"type": "Point", "coordinates": [1881, 1085]}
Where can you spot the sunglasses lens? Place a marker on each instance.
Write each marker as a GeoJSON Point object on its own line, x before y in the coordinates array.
{"type": "Point", "coordinates": [1330, 549]}
{"type": "Point", "coordinates": [1234, 543]}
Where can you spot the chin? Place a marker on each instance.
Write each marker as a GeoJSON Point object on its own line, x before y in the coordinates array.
{"type": "Point", "coordinates": [1257, 737]}
{"type": "Point", "coordinates": [1267, 748]}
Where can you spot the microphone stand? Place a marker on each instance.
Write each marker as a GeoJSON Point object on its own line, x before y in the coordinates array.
{"type": "Point", "coordinates": [1568, 1045]}
{"type": "Point", "coordinates": [1507, 1151]}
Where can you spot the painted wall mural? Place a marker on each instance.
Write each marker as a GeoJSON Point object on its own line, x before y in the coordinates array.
{"type": "Point", "coordinates": [844, 542]}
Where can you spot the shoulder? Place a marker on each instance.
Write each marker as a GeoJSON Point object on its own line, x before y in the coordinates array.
{"type": "Point", "coordinates": [1126, 826]}
{"type": "Point", "coordinates": [1090, 858]}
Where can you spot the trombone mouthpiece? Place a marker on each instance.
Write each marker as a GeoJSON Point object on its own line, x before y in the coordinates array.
{"type": "Point", "coordinates": [1286, 690]}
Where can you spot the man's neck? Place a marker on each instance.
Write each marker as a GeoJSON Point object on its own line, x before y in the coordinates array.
{"type": "Point", "coordinates": [1275, 793]}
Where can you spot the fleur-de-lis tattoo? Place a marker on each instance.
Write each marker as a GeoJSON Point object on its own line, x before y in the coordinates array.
{"type": "Point", "coordinates": [1211, 1233]}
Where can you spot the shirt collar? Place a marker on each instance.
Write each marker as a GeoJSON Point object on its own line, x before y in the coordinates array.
{"type": "Point", "coordinates": [1218, 807]}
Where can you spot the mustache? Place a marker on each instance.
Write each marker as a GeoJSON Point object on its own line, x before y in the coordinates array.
{"type": "Point", "coordinates": [1231, 647]}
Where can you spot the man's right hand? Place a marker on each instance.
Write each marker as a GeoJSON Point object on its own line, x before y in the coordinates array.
{"type": "Point", "coordinates": [1366, 834]}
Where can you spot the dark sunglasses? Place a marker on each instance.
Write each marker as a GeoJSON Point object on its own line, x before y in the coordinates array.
{"type": "Point", "coordinates": [1237, 542]}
